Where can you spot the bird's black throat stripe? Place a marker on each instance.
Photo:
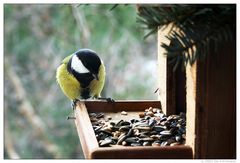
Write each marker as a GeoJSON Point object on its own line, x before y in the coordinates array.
{"type": "Point", "coordinates": [83, 78]}
{"type": "Point", "coordinates": [85, 93]}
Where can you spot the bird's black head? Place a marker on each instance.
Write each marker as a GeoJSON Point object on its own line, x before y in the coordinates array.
{"type": "Point", "coordinates": [85, 61]}
{"type": "Point", "coordinates": [89, 59]}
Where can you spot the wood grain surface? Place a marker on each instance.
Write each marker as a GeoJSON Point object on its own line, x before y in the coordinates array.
{"type": "Point", "coordinates": [211, 104]}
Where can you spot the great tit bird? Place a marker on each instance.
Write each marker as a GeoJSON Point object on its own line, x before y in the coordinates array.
{"type": "Point", "coordinates": [81, 75]}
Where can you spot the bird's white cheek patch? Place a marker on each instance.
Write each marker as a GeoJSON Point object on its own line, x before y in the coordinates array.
{"type": "Point", "coordinates": [78, 66]}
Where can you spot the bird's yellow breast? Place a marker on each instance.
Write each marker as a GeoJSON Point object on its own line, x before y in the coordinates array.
{"type": "Point", "coordinates": [68, 83]}
{"type": "Point", "coordinates": [96, 86]}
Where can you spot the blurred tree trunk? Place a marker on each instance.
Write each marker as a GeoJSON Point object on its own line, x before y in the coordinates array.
{"type": "Point", "coordinates": [82, 26]}
{"type": "Point", "coordinates": [8, 141]}
{"type": "Point", "coordinates": [27, 110]}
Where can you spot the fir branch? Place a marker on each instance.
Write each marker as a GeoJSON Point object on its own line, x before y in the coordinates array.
{"type": "Point", "coordinates": [196, 26]}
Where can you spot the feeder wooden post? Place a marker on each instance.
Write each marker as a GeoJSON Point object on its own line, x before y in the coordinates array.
{"type": "Point", "coordinates": [172, 92]}
{"type": "Point", "coordinates": [211, 104]}
{"type": "Point", "coordinates": [209, 93]}
{"type": "Point", "coordinates": [166, 87]}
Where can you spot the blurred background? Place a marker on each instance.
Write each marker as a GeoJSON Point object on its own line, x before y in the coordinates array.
{"type": "Point", "coordinates": [36, 39]}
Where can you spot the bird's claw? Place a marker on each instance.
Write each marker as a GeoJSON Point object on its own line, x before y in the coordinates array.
{"type": "Point", "coordinates": [68, 117]}
{"type": "Point", "coordinates": [109, 100]}
{"type": "Point", "coordinates": [74, 103]}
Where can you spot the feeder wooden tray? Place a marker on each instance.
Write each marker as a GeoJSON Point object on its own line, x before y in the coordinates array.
{"type": "Point", "coordinates": [89, 142]}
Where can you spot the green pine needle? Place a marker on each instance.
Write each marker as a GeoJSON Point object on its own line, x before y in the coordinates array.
{"type": "Point", "coordinates": [199, 25]}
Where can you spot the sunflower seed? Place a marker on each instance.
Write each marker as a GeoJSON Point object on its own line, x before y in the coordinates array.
{"type": "Point", "coordinates": [124, 128]}
{"type": "Point", "coordinates": [166, 132]}
{"type": "Point", "coordinates": [156, 143]}
{"type": "Point", "coordinates": [150, 108]}
{"type": "Point", "coordinates": [105, 142]}
{"type": "Point", "coordinates": [153, 132]}
{"type": "Point", "coordinates": [105, 131]}
{"type": "Point", "coordinates": [150, 113]}
{"type": "Point", "coordinates": [174, 144]}
{"type": "Point", "coordinates": [119, 123]}
{"type": "Point", "coordinates": [146, 139]}
{"type": "Point", "coordinates": [134, 121]}
{"type": "Point", "coordinates": [121, 138]}
{"type": "Point", "coordinates": [154, 110]}
{"type": "Point", "coordinates": [142, 135]}
{"type": "Point", "coordinates": [124, 113]}
{"type": "Point", "coordinates": [97, 128]}
{"type": "Point", "coordinates": [132, 140]}
{"type": "Point", "coordinates": [159, 128]}
{"type": "Point", "coordinates": [124, 123]}
{"type": "Point", "coordinates": [146, 143]}
{"type": "Point", "coordinates": [100, 115]}
{"type": "Point", "coordinates": [178, 138]}
{"type": "Point", "coordinates": [152, 122]}
{"type": "Point", "coordinates": [148, 128]}
{"type": "Point", "coordinates": [135, 144]}
{"type": "Point", "coordinates": [163, 119]}
{"type": "Point", "coordinates": [155, 136]}
{"type": "Point", "coordinates": [164, 143]}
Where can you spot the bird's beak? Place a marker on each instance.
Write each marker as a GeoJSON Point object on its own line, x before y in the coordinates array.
{"type": "Point", "coordinates": [95, 76]}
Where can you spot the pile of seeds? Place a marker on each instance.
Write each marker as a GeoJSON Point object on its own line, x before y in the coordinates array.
{"type": "Point", "coordinates": [153, 128]}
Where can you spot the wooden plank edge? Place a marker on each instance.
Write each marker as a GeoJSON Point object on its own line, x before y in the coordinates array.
{"type": "Point", "coordinates": [120, 105]}
{"type": "Point", "coordinates": [121, 152]}
{"type": "Point", "coordinates": [191, 112]}
{"type": "Point", "coordinates": [84, 129]}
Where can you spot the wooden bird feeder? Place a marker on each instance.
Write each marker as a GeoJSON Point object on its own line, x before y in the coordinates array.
{"type": "Point", "coordinates": [89, 142]}
{"type": "Point", "coordinates": [207, 91]}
